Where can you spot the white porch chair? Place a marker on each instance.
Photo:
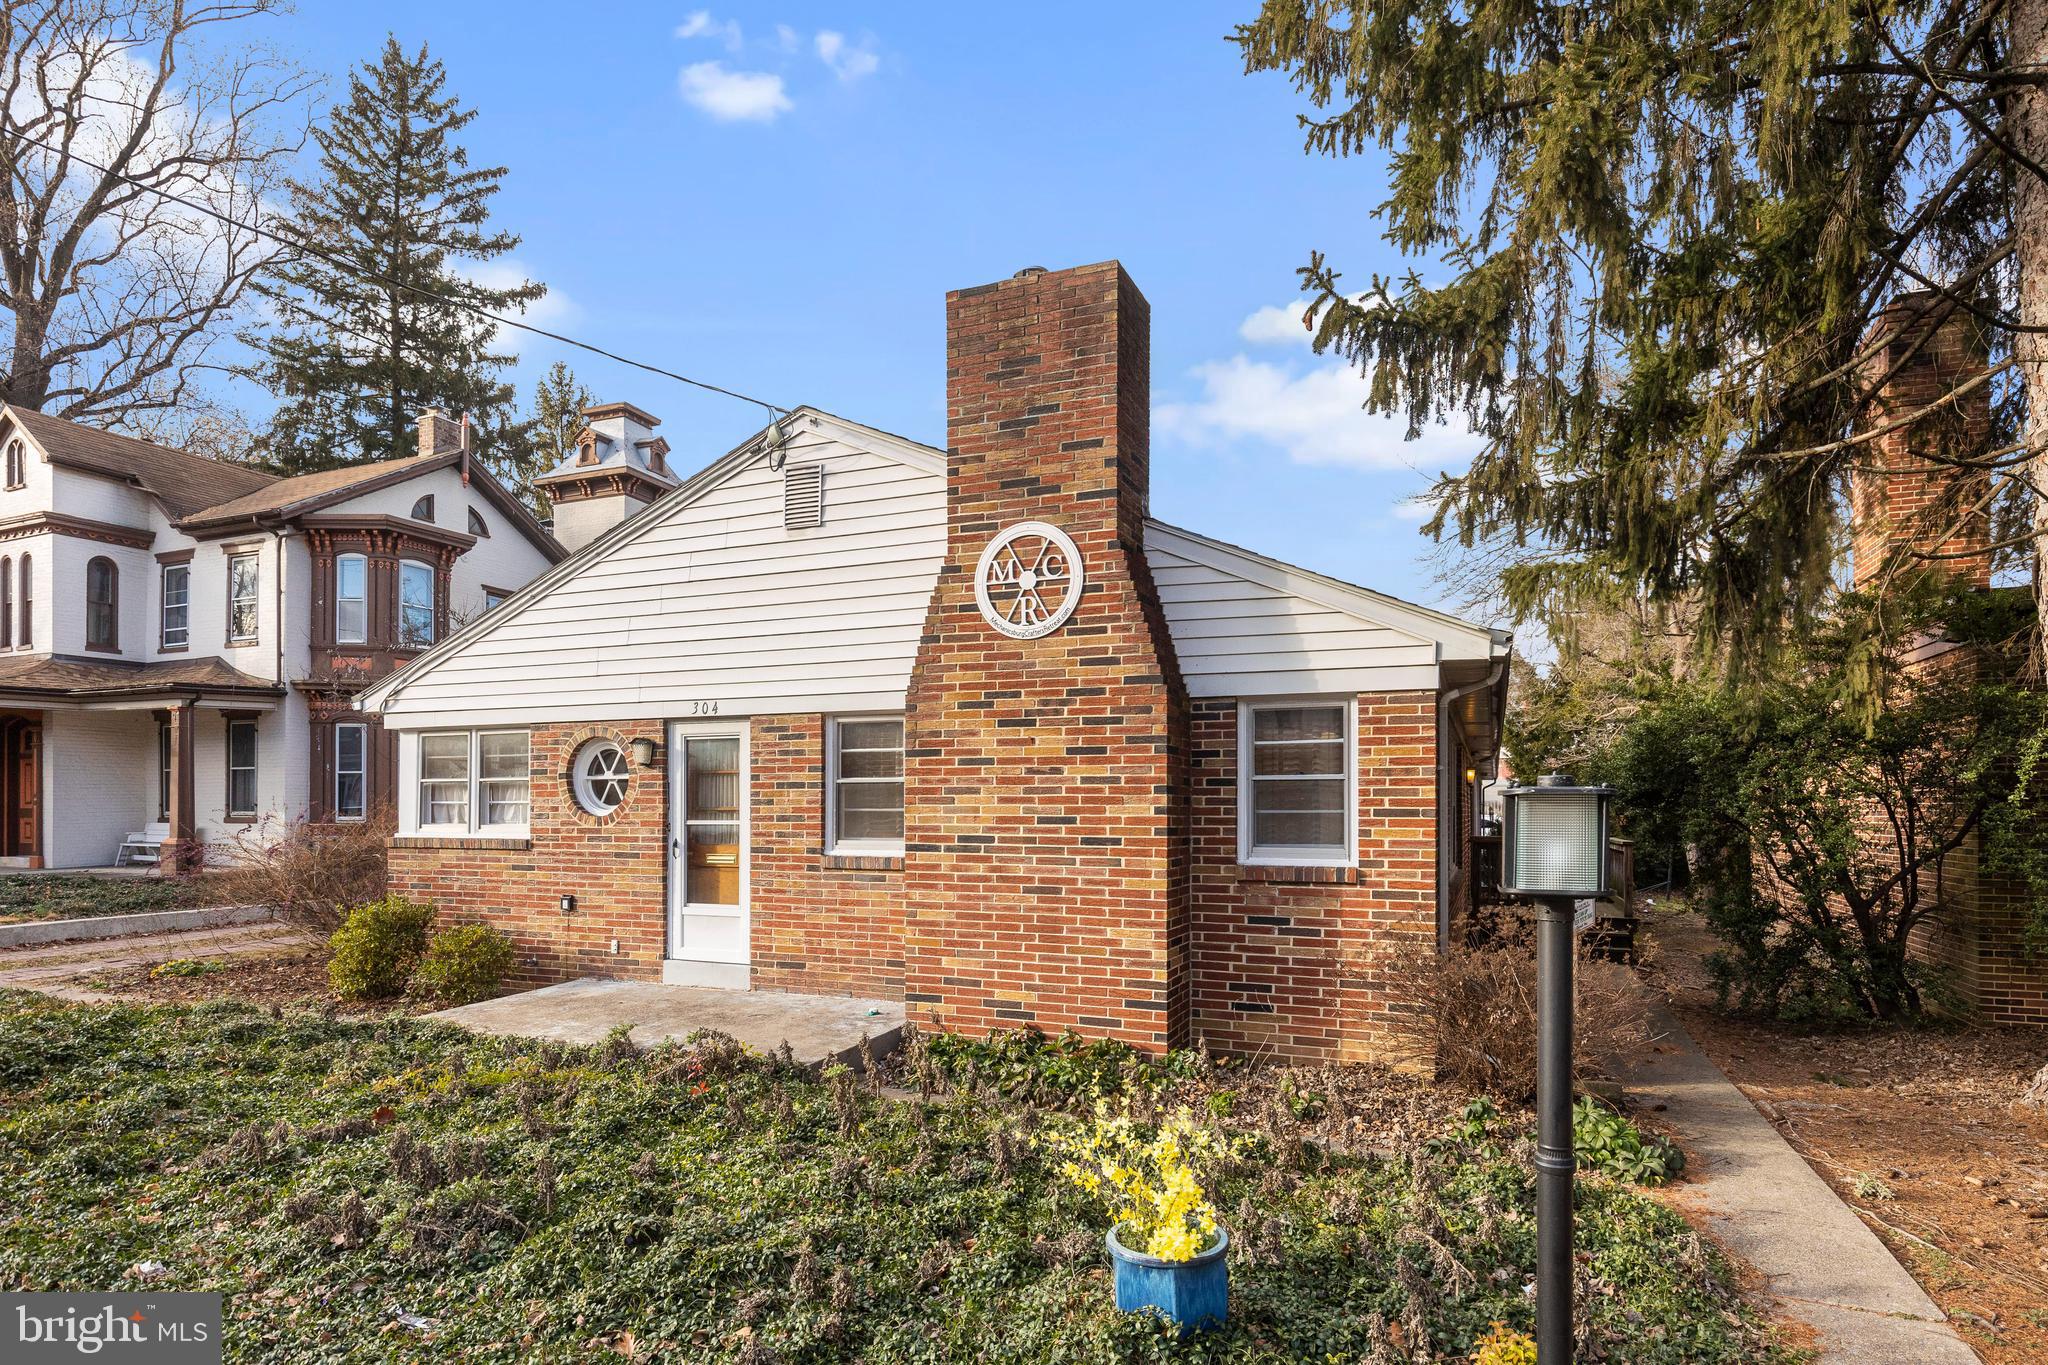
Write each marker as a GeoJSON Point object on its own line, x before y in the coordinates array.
{"type": "Point", "coordinates": [146, 845]}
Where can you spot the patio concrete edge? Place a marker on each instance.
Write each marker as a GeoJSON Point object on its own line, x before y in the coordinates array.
{"type": "Point", "coordinates": [123, 926]}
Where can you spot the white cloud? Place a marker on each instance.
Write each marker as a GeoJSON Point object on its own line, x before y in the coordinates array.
{"type": "Point", "coordinates": [1413, 509]}
{"type": "Point", "coordinates": [552, 310]}
{"type": "Point", "coordinates": [849, 63]}
{"type": "Point", "coordinates": [787, 38]}
{"type": "Point", "coordinates": [700, 24]}
{"type": "Point", "coordinates": [1316, 415]}
{"type": "Point", "coordinates": [1277, 324]}
{"type": "Point", "coordinates": [733, 96]}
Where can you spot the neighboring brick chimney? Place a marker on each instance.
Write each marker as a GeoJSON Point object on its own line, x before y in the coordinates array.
{"type": "Point", "coordinates": [1900, 499]}
{"type": "Point", "coordinates": [440, 434]}
{"type": "Point", "coordinates": [1046, 881]}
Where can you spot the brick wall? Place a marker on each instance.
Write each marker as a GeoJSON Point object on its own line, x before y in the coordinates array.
{"type": "Point", "coordinates": [1294, 962]}
{"type": "Point", "coordinates": [1044, 883]}
{"type": "Point", "coordinates": [614, 865]}
{"type": "Point", "coordinates": [822, 925]}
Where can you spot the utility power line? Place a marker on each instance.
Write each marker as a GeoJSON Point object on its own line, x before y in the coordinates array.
{"type": "Point", "coordinates": [348, 267]}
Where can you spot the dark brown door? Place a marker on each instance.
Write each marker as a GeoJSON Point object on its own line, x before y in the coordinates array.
{"type": "Point", "coordinates": [28, 788]}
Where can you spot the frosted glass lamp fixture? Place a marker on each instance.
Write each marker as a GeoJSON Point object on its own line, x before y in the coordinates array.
{"type": "Point", "coordinates": [1556, 840]}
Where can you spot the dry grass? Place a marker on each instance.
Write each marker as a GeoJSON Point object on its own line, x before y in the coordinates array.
{"type": "Point", "coordinates": [1470, 1014]}
{"type": "Point", "coordinates": [315, 872]}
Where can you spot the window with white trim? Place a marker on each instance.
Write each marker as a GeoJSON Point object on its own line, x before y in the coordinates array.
{"type": "Point", "coordinates": [474, 781]}
{"type": "Point", "coordinates": [243, 578]}
{"type": "Point", "coordinates": [177, 606]}
{"type": "Point", "coordinates": [351, 599]}
{"type": "Point", "coordinates": [351, 770]}
{"type": "Point", "coordinates": [415, 604]}
{"type": "Point", "coordinates": [1297, 777]}
{"type": "Point", "coordinates": [242, 769]}
{"type": "Point", "coordinates": [865, 798]}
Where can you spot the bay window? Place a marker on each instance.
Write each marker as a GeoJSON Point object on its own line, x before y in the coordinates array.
{"type": "Point", "coordinates": [474, 782]}
{"type": "Point", "coordinates": [351, 767]}
{"type": "Point", "coordinates": [175, 631]}
{"type": "Point", "coordinates": [865, 801]}
{"type": "Point", "coordinates": [1297, 783]}
{"type": "Point", "coordinates": [102, 604]}
{"type": "Point", "coordinates": [415, 604]}
{"type": "Point", "coordinates": [351, 599]}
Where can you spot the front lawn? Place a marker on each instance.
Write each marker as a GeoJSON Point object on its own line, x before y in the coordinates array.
{"type": "Point", "coordinates": [397, 1189]}
{"type": "Point", "coordinates": [57, 895]}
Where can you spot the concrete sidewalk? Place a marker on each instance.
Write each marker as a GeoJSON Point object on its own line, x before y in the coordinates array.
{"type": "Point", "coordinates": [1762, 1201]}
{"type": "Point", "coordinates": [51, 968]}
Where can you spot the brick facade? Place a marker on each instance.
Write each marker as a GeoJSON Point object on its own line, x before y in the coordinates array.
{"type": "Point", "coordinates": [1070, 855]}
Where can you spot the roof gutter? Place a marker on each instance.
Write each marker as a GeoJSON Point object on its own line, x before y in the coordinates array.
{"type": "Point", "coordinates": [1447, 778]}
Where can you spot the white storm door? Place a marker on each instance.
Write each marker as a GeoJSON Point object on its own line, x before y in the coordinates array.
{"type": "Point", "coordinates": [707, 850]}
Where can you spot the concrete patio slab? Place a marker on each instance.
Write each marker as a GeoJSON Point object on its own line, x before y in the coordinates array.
{"type": "Point", "coordinates": [1762, 1201]}
{"type": "Point", "coordinates": [818, 1028]}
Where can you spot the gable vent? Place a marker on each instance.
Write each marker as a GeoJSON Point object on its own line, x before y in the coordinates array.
{"type": "Point", "coordinates": [803, 496]}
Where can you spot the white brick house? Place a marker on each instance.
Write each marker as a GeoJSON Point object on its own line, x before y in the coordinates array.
{"type": "Point", "coordinates": [182, 639]}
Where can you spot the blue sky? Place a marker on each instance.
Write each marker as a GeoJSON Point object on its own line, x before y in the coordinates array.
{"type": "Point", "coordinates": [776, 197]}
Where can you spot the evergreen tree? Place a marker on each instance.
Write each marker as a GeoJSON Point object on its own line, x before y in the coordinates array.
{"type": "Point", "coordinates": [545, 439]}
{"type": "Point", "coordinates": [369, 331]}
{"type": "Point", "coordinates": [1668, 227]}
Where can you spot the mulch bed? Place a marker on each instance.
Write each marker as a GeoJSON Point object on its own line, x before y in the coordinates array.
{"type": "Point", "coordinates": [1914, 1127]}
{"type": "Point", "coordinates": [296, 979]}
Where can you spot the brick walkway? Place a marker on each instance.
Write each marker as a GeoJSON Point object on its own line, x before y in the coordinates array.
{"type": "Point", "coordinates": [55, 969]}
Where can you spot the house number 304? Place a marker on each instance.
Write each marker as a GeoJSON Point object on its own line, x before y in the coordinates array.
{"type": "Point", "coordinates": [703, 708]}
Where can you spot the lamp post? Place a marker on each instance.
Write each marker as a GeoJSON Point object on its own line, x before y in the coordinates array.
{"type": "Point", "coordinates": [1554, 851]}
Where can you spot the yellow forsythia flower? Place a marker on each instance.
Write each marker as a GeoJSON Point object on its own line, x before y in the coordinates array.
{"type": "Point", "coordinates": [1149, 1183]}
{"type": "Point", "coordinates": [1505, 1346]}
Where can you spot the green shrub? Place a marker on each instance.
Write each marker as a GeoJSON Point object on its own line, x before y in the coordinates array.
{"type": "Point", "coordinates": [1608, 1142]}
{"type": "Point", "coordinates": [376, 946]}
{"type": "Point", "coordinates": [463, 964]}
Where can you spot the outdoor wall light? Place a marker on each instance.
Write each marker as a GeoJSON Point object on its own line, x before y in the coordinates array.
{"type": "Point", "coordinates": [1555, 852]}
{"type": "Point", "coordinates": [1471, 774]}
{"type": "Point", "coordinates": [643, 752]}
{"type": "Point", "coordinates": [1556, 841]}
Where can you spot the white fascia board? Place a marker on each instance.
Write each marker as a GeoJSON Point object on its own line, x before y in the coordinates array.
{"type": "Point", "coordinates": [545, 712]}
{"type": "Point", "coordinates": [1454, 639]}
{"type": "Point", "coordinates": [698, 485]}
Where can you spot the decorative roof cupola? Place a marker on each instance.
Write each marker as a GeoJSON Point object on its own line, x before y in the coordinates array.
{"type": "Point", "coordinates": [618, 466]}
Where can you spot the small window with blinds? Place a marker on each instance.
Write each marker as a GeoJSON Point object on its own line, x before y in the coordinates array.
{"type": "Point", "coordinates": [1297, 784]}
{"type": "Point", "coordinates": [803, 496]}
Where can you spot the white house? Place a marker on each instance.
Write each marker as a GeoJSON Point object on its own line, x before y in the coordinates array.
{"type": "Point", "coordinates": [182, 639]}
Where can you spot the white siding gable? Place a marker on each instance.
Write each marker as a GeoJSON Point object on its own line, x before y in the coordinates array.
{"type": "Point", "coordinates": [1247, 626]}
{"type": "Point", "coordinates": [708, 600]}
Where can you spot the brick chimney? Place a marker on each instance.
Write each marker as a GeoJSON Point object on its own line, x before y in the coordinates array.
{"type": "Point", "coordinates": [1902, 501]}
{"type": "Point", "coordinates": [440, 434]}
{"type": "Point", "coordinates": [1046, 881]}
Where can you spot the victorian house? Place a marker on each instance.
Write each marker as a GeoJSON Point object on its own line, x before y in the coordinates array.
{"type": "Point", "coordinates": [182, 640]}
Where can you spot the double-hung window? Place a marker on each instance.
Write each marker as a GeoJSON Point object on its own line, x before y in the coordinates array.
{"type": "Point", "coordinates": [242, 769]}
{"type": "Point", "coordinates": [1297, 783]}
{"type": "Point", "coordinates": [176, 632]}
{"type": "Point", "coordinates": [102, 604]}
{"type": "Point", "coordinates": [242, 584]}
{"type": "Point", "coordinates": [865, 763]}
{"type": "Point", "coordinates": [351, 599]}
{"type": "Point", "coordinates": [415, 604]}
{"type": "Point", "coordinates": [351, 769]}
{"type": "Point", "coordinates": [474, 781]}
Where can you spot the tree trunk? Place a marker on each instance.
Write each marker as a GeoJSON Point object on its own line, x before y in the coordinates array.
{"type": "Point", "coordinates": [2027, 122]}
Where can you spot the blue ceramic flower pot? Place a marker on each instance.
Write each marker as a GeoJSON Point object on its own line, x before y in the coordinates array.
{"type": "Point", "coordinates": [1193, 1295]}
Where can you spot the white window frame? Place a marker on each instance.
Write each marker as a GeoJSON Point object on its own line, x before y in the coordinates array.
{"type": "Point", "coordinates": [183, 637]}
{"type": "Point", "coordinates": [871, 848]}
{"type": "Point", "coordinates": [473, 824]}
{"type": "Point", "coordinates": [1296, 855]}
{"type": "Point", "coordinates": [362, 599]}
{"type": "Point", "coordinates": [433, 605]}
{"type": "Point", "coordinates": [255, 598]}
{"type": "Point", "coordinates": [361, 772]}
{"type": "Point", "coordinates": [254, 769]}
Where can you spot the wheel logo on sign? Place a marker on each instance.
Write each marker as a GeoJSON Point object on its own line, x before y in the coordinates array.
{"type": "Point", "coordinates": [1029, 580]}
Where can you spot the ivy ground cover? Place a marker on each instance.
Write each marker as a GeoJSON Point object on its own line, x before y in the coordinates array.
{"type": "Point", "coordinates": [394, 1189]}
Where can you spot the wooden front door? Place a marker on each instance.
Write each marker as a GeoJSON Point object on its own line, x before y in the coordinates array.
{"type": "Point", "coordinates": [21, 785]}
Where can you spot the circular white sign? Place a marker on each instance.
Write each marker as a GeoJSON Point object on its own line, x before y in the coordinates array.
{"type": "Point", "coordinates": [1029, 580]}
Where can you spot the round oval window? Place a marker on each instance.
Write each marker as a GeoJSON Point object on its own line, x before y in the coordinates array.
{"type": "Point", "coordinates": [600, 776]}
